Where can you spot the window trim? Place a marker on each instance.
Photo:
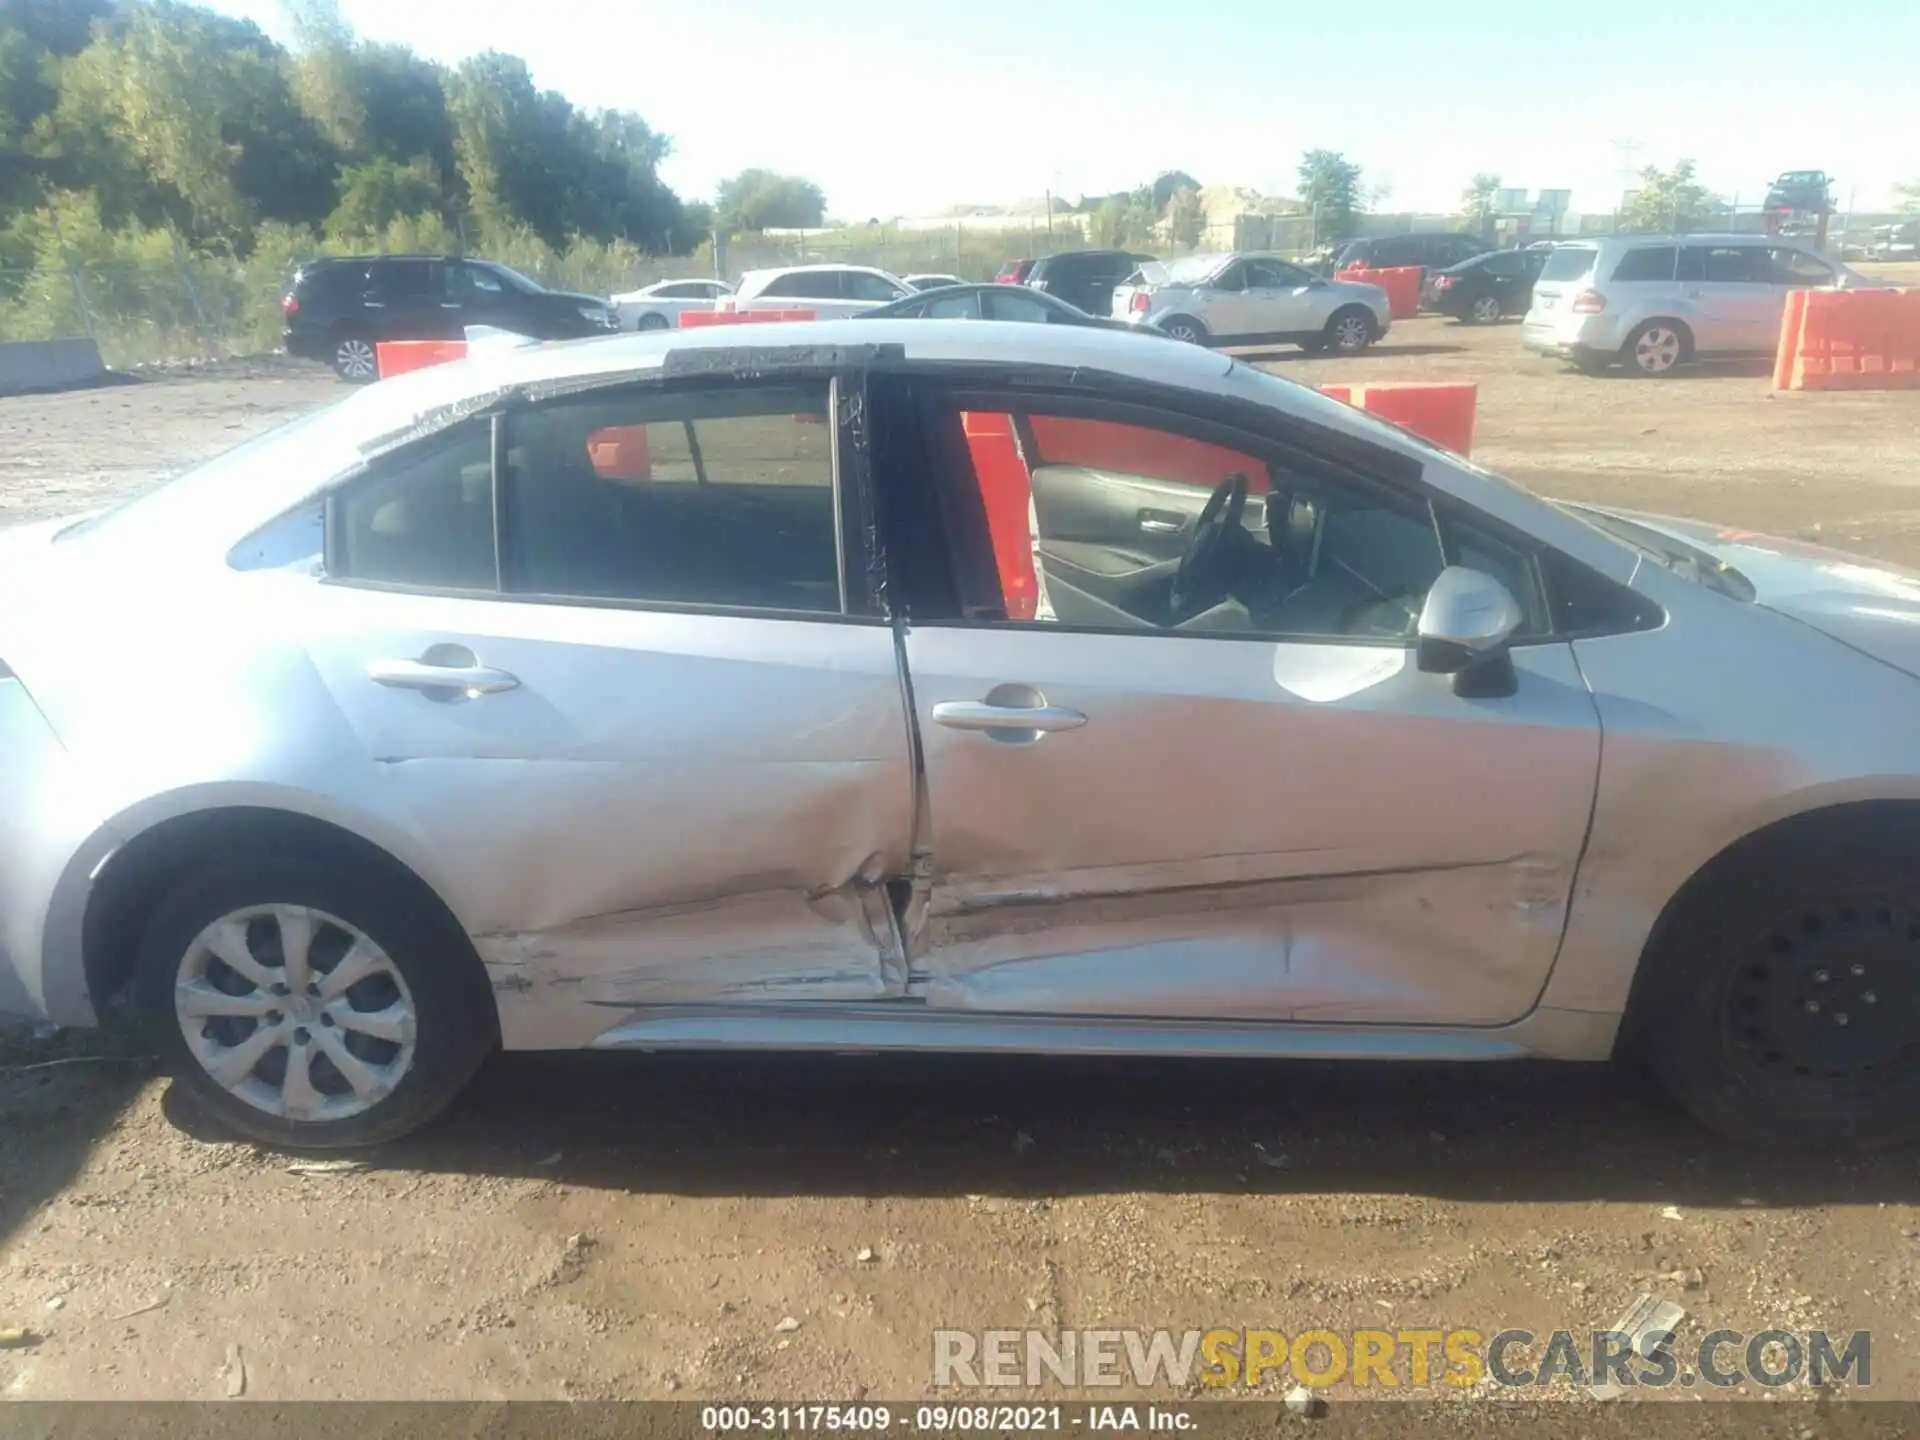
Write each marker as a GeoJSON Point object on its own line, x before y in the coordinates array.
{"type": "Point", "coordinates": [847, 446]}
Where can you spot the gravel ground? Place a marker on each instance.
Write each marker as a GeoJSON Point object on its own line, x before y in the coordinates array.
{"type": "Point", "coordinates": [596, 1227]}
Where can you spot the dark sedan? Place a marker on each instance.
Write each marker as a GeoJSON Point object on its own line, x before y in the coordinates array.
{"type": "Point", "coordinates": [992, 302]}
{"type": "Point", "coordinates": [1481, 290]}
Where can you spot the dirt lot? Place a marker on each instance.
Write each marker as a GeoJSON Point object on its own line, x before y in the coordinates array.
{"type": "Point", "coordinates": [582, 1227]}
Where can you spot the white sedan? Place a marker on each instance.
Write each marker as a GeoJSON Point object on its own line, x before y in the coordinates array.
{"type": "Point", "coordinates": [660, 305]}
{"type": "Point", "coordinates": [831, 292]}
{"type": "Point", "coordinates": [930, 686]}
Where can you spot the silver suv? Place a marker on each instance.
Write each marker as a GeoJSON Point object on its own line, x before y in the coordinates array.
{"type": "Point", "coordinates": [1651, 302]}
{"type": "Point", "coordinates": [1248, 299]}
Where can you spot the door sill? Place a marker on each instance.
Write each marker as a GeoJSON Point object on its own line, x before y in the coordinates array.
{"type": "Point", "coordinates": [906, 1025]}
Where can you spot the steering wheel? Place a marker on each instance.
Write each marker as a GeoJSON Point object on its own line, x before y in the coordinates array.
{"type": "Point", "coordinates": [1219, 518]}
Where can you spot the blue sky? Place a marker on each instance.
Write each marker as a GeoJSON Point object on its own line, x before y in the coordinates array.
{"type": "Point", "coordinates": [902, 107]}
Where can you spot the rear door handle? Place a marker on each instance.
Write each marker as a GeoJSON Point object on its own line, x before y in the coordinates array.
{"type": "Point", "coordinates": [978, 715]}
{"type": "Point", "coordinates": [469, 680]}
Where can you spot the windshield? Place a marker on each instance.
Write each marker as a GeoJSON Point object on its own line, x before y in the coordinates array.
{"type": "Point", "coordinates": [1568, 262]}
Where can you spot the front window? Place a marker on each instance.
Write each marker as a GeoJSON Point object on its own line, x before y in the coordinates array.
{"type": "Point", "coordinates": [862, 286]}
{"type": "Point", "coordinates": [1798, 269]}
{"type": "Point", "coordinates": [1145, 525]}
{"type": "Point", "coordinates": [1021, 305]}
{"type": "Point", "coordinates": [513, 279]}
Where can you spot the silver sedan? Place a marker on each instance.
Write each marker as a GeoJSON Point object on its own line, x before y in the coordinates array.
{"type": "Point", "coordinates": [967, 687]}
{"type": "Point", "coordinates": [1250, 299]}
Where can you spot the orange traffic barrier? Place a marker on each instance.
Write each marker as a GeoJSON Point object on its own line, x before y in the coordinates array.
{"type": "Point", "coordinates": [694, 319]}
{"type": "Point", "coordinates": [1442, 412]}
{"type": "Point", "coordinates": [1402, 284]}
{"type": "Point", "coordinates": [620, 452]}
{"type": "Point", "coordinates": [1849, 340]}
{"type": "Point", "coordinates": [1135, 450]}
{"type": "Point", "coordinates": [1006, 492]}
{"type": "Point", "coordinates": [397, 357]}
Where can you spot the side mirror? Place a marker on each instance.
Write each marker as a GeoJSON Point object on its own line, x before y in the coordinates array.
{"type": "Point", "coordinates": [1465, 628]}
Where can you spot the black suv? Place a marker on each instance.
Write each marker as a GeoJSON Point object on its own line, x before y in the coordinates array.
{"type": "Point", "coordinates": [339, 309]}
{"type": "Point", "coordinates": [1085, 278]}
{"type": "Point", "coordinates": [1431, 250]}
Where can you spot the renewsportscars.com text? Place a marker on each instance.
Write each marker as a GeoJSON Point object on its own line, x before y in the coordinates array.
{"type": "Point", "coordinates": [1384, 1359]}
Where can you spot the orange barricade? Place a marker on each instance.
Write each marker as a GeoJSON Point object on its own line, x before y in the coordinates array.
{"type": "Point", "coordinates": [1402, 284]}
{"type": "Point", "coordinates": [694, 319]}
{"type": "Point", "coordinates": [397, 357]}
{"type": "Point", "coordinates": [1849, 340]}
{"type": "Point", "coordinates": [1442, 412]}
{"type": "Point", "coordinates": [1135, 450]}
{"type": "Point", "coordinates": [620, 452]}
{"type": "Point", "coordinates": [1007, 495]}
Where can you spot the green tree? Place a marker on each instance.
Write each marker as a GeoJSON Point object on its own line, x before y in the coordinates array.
{"type": "Point", "coordinates": [1330, 190]}
{"type": "Point", "coordinates": [1670, 202]}
{"type": "Point", "coordinates": [378, 192]}
{"type": "Point", "coordinates": [1168, 184]}
{"type": "Point", "coordinates": [1186, 220]}
{"type": "Point", "coordinates": [762, 199]}
{"type": "Point", "coordinates": [1476, 201]}
{"type": "Point", "coordinates": [325, 72]}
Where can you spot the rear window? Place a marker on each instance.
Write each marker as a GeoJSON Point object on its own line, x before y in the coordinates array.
{"type": "Point", "coordinates": [1655, 262]}
{"type": "Point", "coordinates": [1569, 262]}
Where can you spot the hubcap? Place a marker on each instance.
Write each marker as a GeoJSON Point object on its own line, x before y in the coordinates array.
{"type": "Point", "coordinates": [1657, 350]}
{"type": "Point", "coordinates": [1486, 308]}
{"type": "Point", "coordinates": [1831, 996]}
{"type": "Point", "coordinates": [1351, 333]}
{"type": "Point", "coordinates": [1184, 332]}
{"type": "Point", "coordinates": [295, 1012]}
{"type": "Point", "coordinates": [354, 359]}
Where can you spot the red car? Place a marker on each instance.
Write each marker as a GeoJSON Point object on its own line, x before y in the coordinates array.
{"type": "Point", "coordinates": [1014, 272]}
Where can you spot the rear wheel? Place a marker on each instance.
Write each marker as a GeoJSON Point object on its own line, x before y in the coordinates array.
{"type": "Point", "coordinates": [311, 1004]}
{"type": "Point", "coordinates": [1656, 347]}
{"type": "Point", "coordinates": [1184, 328]}
{"type": "Point", "coordinates": [354, 360]}
{"type": "Point", "coordinates": [1349, 331]}
{"type": "Point", "coordinates": [1783, 1007]}
{"type": "Point", "coordinates": [1483, 311]}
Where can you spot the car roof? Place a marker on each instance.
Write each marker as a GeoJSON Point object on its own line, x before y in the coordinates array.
{"type": "Point", "coordinates": [773, 270]}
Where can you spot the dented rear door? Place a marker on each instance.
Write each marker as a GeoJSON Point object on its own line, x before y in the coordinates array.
{"type": "Point", "coordinates": [644, 801]}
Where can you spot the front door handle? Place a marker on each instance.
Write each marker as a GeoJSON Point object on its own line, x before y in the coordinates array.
{"type": "Point", "coordinates": [471, 681]}
{"type": "Point", "coordinates": [1160, 522]}
{"type": "Point", "coordinates": [978, 715]}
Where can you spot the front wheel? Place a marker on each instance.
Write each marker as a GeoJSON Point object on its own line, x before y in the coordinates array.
{"type": "Point", "coordinates": [1783, 1006]}
{"type": "Point", "coordinates": [312, 1004]}
{"type": "Point", "coordinates": [653, 321]}
{"type": "Point", "coordinates": [1349, 331]}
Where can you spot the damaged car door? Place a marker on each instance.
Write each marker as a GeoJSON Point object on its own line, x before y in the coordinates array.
{"type": "Point", "coordinates": [601, 648]}
{"type": "Point", "coordinates": [1217, 785]}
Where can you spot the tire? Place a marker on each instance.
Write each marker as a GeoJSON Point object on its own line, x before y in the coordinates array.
{"type": "Point", "coordinates": [1485, 310]}
{"type": "Point", "coordinates": [1185, 329]}
{"type": "Point", "coordinates": [1657, 347]}
{"type": "Point", "coordinates": [1350, 330]}
{"type": "Point", "coordinates": [377, 1060]}
{"type": "Point", "coordinates": [1781, 1005]}
{"type": "Point", "coordinates": [653, 321]}
{"type": "Point", "coordinates": [353, 359]}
